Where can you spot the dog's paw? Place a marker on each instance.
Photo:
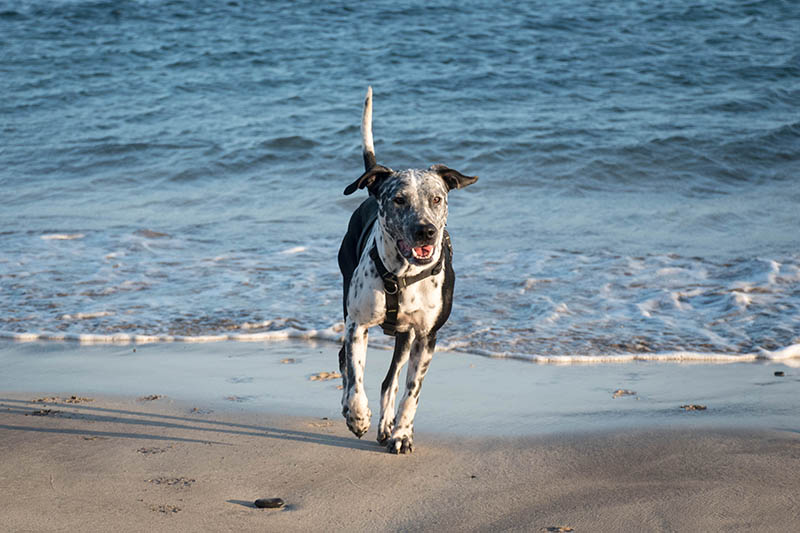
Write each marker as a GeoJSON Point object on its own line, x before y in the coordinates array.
{"type": "Point", "coordinates": [385, 432]}
{"type": "Point", "coordinates": [400, 445]}
{"type": "Point", "coordinates": [359, 425]}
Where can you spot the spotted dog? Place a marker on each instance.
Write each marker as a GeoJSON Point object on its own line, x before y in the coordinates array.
{"type": "Point", "coordinates": [396, 261]}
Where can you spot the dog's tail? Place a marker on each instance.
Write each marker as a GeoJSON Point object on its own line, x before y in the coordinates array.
{"type": "Point", "coordinates": [366, 132]}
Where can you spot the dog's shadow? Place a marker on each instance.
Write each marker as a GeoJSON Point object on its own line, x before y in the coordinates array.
{"type": "Point", "coordinates": [201, 428]}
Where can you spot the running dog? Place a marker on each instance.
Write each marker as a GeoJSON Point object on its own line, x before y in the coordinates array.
{"type": "Point", "coordinates": [396, 261]}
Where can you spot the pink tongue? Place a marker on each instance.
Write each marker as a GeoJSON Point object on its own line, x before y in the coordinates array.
{"type": "Point", "coordinates": [423, 251]}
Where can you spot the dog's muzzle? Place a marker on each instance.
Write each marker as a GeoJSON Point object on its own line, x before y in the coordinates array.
{"type": "Point", "coordinates": [424, 245]}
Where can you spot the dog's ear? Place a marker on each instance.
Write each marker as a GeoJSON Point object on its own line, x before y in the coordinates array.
{"type": "Point", "coordinates": [453, 178]}
{"type": "Point", "coordinates": [370, 179]}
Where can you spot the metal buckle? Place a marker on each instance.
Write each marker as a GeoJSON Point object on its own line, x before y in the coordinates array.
{"type": "Point", "coordinates": [390, 286]}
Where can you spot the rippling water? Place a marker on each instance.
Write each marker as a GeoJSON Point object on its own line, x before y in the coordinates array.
{"type": "Point", "coordinates": [176, 168]}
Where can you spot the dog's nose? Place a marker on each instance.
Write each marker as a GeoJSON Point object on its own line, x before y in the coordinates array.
{"type": "Point", "coordinates": [425, 232]}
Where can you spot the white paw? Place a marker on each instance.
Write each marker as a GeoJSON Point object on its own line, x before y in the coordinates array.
{"type": "Point", "coordinates": [358, 416]}
{"type": "Point", "coordinates": [401, 443]}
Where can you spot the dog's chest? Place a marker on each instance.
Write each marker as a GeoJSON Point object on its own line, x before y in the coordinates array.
{"type": "Point", "coordinates": [420, 304]}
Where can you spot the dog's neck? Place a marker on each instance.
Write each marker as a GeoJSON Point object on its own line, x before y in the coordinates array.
{"type": "Point", "coordinates": [394, 261]}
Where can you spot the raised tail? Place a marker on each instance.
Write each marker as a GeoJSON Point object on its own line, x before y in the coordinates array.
{"type": "Point", "coordinates": [366, 132]}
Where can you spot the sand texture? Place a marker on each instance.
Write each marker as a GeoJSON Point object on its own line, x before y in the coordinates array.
{"type": "Point", "coordinates": [131, 464]}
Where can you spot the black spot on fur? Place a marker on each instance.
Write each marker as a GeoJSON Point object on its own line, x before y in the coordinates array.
{"type": "Point", "coordinates": [350, 373]}
{"type": "Point", "coordinates": [430, 343]}
{"type": "Point", "coordinates": [425, 366]}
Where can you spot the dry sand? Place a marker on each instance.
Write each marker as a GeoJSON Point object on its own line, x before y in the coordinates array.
{"type": "Point", "coordinates": [124, 463]}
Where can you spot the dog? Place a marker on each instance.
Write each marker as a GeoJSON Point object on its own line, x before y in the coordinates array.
{"type": "Point", "coordinates": [396, 264]}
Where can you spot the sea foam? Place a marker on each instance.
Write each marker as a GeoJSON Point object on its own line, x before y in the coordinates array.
{"type": "Point", "coordinates": [789, 355]}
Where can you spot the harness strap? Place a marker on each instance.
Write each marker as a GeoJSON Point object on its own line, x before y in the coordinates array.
{"type": "Point", "coordinates": [392, 285]}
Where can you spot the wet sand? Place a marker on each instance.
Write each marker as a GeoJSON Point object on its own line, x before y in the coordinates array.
{"type": "Point", "coordinates": [188, 449]}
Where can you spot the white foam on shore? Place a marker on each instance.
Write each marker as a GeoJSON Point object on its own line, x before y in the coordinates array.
{"type": "Point", "coordinates": [293, 251]}
{"type": "Point", "coordinates": [330, 334]}
{"type": "Point", "coordinates": [789, 355]}
{"type": "Point", "coordinates": [85, 316]}
{"type": "Point", "coordinates": [663, 357]}
{"type": "Point", "coordinates": [62, 236]}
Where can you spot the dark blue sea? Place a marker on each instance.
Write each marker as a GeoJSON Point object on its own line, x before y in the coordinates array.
{"type": "Point", "coordinates": [174, 169]}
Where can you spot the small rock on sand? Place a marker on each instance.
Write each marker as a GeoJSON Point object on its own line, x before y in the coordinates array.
{"type": "Point", "coordinates": [269, 503]}
{"type": "Point", "coordinates": [779, 374]}
{"type": "Point", "coordinates": [622, 392]}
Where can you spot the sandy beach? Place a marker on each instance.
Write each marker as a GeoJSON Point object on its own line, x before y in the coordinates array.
{"type": "Point", "coordinates": [623, 352]}
{"type": "Point", "coordinates": [154, 447]}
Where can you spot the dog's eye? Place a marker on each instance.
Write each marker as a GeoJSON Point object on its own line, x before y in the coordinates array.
{"type": "Point", "coordinates": [399, 200]}
{"type": "Point", "coordinates": [437, 200]}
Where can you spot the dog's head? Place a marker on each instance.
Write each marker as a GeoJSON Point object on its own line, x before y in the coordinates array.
{"type": "Point", "coordinates": [412, 206]}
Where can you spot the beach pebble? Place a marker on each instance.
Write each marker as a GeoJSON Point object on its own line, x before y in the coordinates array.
{"type": "Point", "coordinates": [779, 373]}
{"type": "Point", "coordinates": [269, 503]}
{"type": "Point", "coordinates": [622, 392]}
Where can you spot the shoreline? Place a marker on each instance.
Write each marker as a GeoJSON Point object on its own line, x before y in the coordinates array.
{"type": "Point", "coordinates": [461, 395]}
{"type": "Point", "coordinates": [788, 355]}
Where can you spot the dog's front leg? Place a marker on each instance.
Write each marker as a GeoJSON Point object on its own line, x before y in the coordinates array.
{"type": "Point", "coordinates": [354, 398]}
{"type": "Point", "coordinates": [421, 355]}
{"type": "Point", "coordinates": [402, 347]}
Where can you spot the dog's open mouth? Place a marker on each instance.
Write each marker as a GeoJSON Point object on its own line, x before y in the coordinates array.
{"type": "Point", "coordinates": [419, 254]}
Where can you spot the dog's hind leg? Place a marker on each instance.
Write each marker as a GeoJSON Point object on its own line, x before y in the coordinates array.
{"type": "Point", "coordinates": [420, 358]}
{"type": "Point", "coordinates": [402, 347]}
{"type": "Point", "coordinates": [354, 398]}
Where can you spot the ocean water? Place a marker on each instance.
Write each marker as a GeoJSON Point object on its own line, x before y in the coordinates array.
{"type": "Point", "coordinates": [173, 170]}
